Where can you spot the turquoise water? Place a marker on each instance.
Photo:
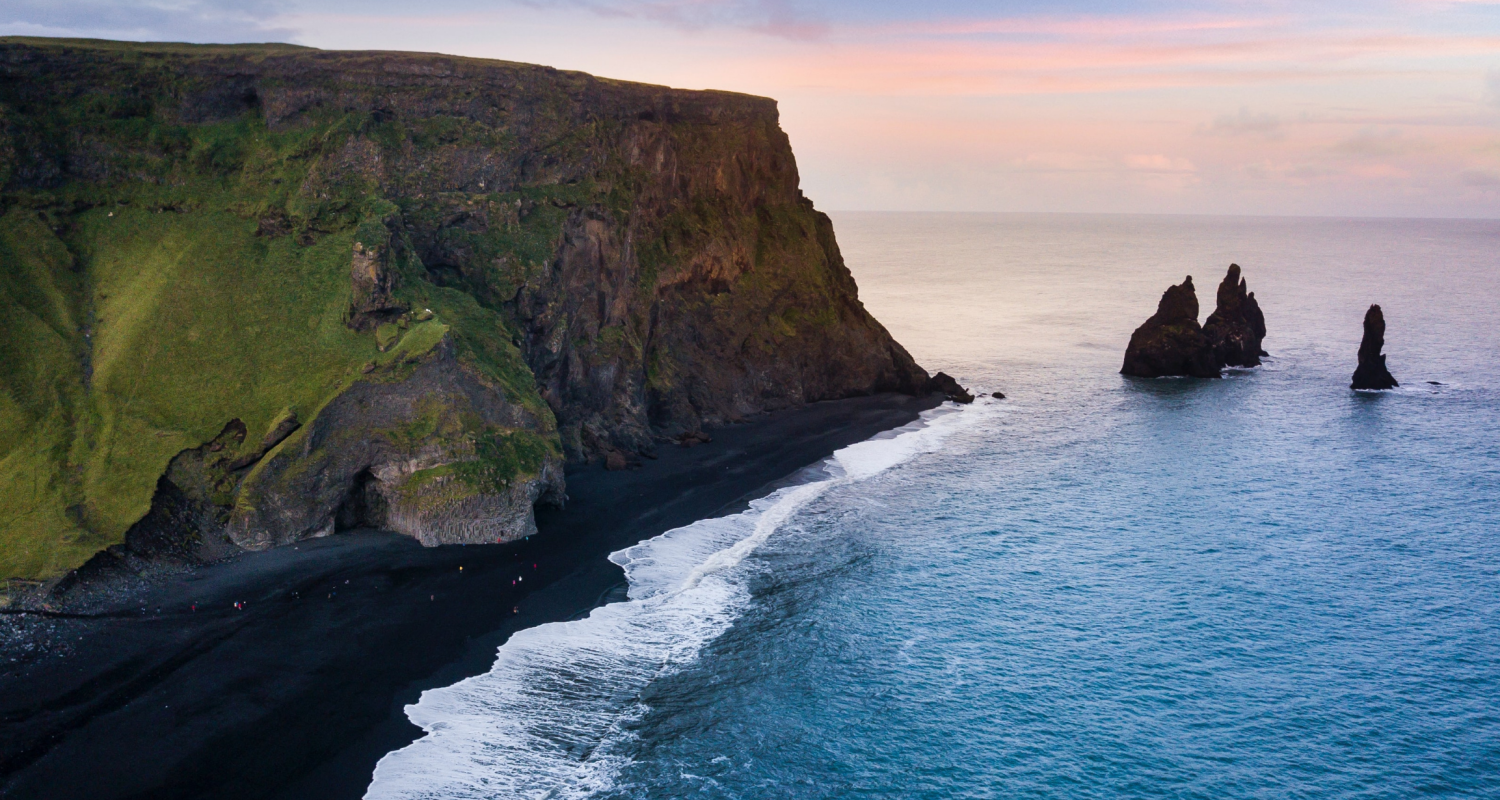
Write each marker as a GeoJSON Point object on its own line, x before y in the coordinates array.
{"type": "Point", "coordinates": [1263, 586]}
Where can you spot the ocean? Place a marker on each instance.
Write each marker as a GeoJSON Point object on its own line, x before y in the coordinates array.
{"type": "Point", "coordinates": [1265, 586]}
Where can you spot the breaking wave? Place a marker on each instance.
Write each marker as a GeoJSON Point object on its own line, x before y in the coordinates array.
{"type": "Point", "coordinates": [551, 718]}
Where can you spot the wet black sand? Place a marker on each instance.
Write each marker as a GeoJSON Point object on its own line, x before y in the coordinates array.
{"type": "Point", "coordinates": [297, 693]}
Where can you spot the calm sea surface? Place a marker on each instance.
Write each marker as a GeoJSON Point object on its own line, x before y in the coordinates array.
{"type": "Point", "coordinates": [1265, 586]}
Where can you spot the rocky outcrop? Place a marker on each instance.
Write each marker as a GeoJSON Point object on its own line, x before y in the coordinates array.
{"type": "Point", "coordinates": [949, 387]}
{"type": "Point", "coordinates": [1371, 372]}
{"type": "Point", "coordinates": [372, 287]}
{"type": "Point", "coordinates": [395, 452]}
{"type": "Point", "coordinates": [1171, 343]}
{"type": "Point", "coordinates": [418, 282]}
{"type": "Point", "coordinates": [1237, 326]}
{"type": "Point", "coordinates": [424, 448]}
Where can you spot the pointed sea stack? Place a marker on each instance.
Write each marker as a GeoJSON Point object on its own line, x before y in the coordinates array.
{"type": "Point", "coordinates": [1237, 326]}
{"type": "Point", "coordinates": [1171, 342]}
{"type": "Point", "coordinates": [1371, 373]}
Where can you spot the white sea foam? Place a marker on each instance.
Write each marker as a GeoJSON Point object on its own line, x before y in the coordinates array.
{"type": "Point", "coordinates": [550, 718]}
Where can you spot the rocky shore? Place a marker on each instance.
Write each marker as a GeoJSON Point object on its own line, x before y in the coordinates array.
{"type": "Point", "coordinates": [265, 300]}
{"type": "Point", "coordinates": [267, 293]}
{"type": "Point", "coordinates": [283, 673]}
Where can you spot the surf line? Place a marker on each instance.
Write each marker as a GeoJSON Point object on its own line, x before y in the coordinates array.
{"type": "Point", "coordinates": [553, 717]}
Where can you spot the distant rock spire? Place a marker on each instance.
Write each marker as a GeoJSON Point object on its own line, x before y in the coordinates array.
{"type": "Point", "coordinates": [1171, 342]}
{"type": "Point", "coordinates": [1237, 326]}
{"type": "Point", "coordinates": [1371, 373]}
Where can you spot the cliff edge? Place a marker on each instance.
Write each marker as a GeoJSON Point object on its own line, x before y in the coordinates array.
{"type": "Point", "coordinates": [259, 293]}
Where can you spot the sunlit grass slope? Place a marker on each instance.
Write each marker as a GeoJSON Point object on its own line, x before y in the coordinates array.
{"type": "Point", "coordinates": [146, 309]}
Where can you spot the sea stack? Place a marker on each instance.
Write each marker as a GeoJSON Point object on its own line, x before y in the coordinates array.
{"type": "Point", "coordinates": [950, 388]}
{"type": "Point", "coordinates": [1371, 372]}
{"type": "Point", "coordinates": [1237, 326]}
{"type": "Point", "coordinates": [1171, 343]}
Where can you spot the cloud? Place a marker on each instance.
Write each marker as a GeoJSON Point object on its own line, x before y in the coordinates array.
{"type": "Point", "coordinates": [147, 20]}
{"type": "Point", "coordinates": [1481, 179]}
{"type": "Point", "coordinates": [913, 60]}
{"type": "Point", "coordinates": [1158, 168]}
{"type": "Point", "coordinates": [1378, 171]}
{"type": "Point", "coordinates": [1087, 26]}
{"type": "Point", "coordinates": [1099, 107]}
{"type": "Point", "coordinates": [1061, 162]}
{"type": "Point", "coordinates": [1159, 163]}
{"type": "Point", "coordinates": [781, 18]}
{"type": "Point", "coordinates": [1376, 143]}
{"type": "Point", "coordinates": [1245, 124]}
{"type": "Point", "coordinates": [1294, 174]}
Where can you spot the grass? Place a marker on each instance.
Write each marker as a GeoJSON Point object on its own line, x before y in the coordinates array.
{"type": "Point", "coordinates": [195, 321]}
{"type": "Point", "coordinates": [42, 398]}
{"type": "Point", "coordinates": [519, 237]}
{"type": "Point", "coordinates": [142, 310]}
{"type": "Point", "coordinates": [190, 273]}
{"type": "Point", "coordinates": [502, 456]}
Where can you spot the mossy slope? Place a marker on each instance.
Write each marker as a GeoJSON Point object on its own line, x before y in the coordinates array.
{"type": "Point", "coordinates": [193, 274]}
{"type": "Point", "coordinates": [611, 263]}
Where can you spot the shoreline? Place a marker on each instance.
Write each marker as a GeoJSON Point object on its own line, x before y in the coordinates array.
{"type": "Point", "coordinates": [301, 689]}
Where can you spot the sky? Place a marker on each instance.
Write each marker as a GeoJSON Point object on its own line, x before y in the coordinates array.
{"type": "Point", "coordinates": [1218, 107]}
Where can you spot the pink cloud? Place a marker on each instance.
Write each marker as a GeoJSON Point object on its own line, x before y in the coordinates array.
{"type": "Point", "coordinates": [1159, 163]}
{"type": "Point", "coordinates": [1080, 26]}
{"type": "Point", "coordinates": [921, 64]}
{"type": "Point", "coordinates": [1067, 113]}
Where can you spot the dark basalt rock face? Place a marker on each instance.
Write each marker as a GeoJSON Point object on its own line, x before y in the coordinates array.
{"type": "Point", "coordinates": [372, 285]}
{"type": "Point", "coordinates": [1237, 326]}
{"type": "Point", "coordinates": [1171, 342]}
{"type": "Point", "coordinates": [420, 284]}
{"type": "Point", "coordinates": [1371, 372]}
{"type": "Point", "coordinates": [950, 388]}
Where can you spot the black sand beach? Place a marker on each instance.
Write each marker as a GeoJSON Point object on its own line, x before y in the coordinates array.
{"type": "Point", "coordinates": [299, 690]}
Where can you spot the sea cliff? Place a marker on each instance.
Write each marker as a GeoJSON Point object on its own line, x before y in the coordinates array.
{"type": "Point", "coordinates": [255, 294]}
